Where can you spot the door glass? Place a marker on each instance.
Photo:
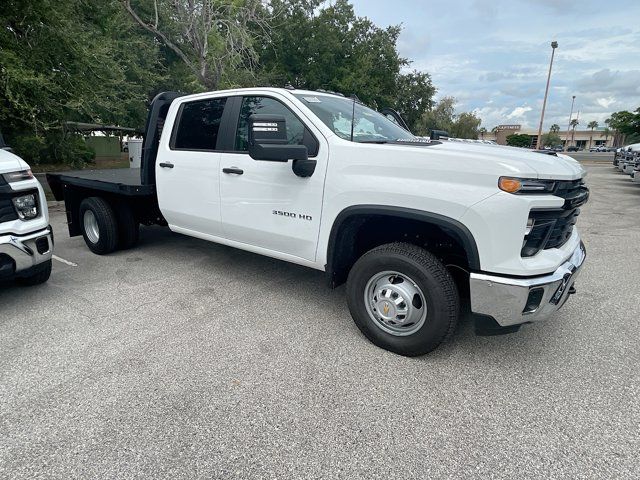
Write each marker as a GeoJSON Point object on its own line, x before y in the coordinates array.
{"type": "Point", "coordinates": [269, 106]}
{"type": "Point", "coordinates": [199, 124]}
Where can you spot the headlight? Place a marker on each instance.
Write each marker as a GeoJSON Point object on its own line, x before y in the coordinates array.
{"type": "Point", "coordinates": [26, 206]}
{"type": "Point", "coordinates": [18, 176]}
{"type": "Point", "coordinates": [525, 185]}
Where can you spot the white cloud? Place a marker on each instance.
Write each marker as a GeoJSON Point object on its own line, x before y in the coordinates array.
{"type": "Point", "coordinates": [605, 102]}
{"type": "Point", "coordinates": [518, 112]}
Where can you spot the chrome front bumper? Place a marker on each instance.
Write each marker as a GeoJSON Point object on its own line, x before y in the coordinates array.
{"type": "Point", "coordinates": [27, 250]}
{"type": "Point", "coordinates": [506, 298]}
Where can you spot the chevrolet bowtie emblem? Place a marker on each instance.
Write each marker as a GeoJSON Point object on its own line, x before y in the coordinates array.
{"type": "Point", "coordinates": [385, 308]}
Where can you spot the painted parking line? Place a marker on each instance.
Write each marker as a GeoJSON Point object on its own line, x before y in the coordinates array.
{"type": "Point", "coordinates": [62, 260]}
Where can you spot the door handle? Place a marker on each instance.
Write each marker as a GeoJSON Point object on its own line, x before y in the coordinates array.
{"type": "Point", "coordinates": [234, 170]}
{"type": "Point", "coordinates": [166, 165]}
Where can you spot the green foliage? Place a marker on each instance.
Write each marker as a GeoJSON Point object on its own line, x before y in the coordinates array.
{"type": "Point", "coordinates": [414, 97]}
{"type": "Point", "coordinates": [627, 123]}
{"type": "Point", "coordinates": [87, 61]}
{"type": "Point", "coordinates": [518, 140]}
{"type": "Point", "coordinates": [443, 117]}
{"type": "Point", "coordinates": [333, 49]}
{"type": "Point", "coordinates": [555, 128]}
{"type": "Point", "coordinates": [465, 125]}
{"type": "Point", "coordinates": [72, 60]}
{"type": "Point", "coordinates": [54, 147]}
{"type": "Point", "coordinates": [550, 139]}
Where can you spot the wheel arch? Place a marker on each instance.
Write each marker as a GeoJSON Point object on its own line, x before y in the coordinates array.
{"type": "Point", "coordinates": [342, 250]}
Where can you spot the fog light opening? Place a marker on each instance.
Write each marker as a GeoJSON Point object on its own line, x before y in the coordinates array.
{"type": "Point", "coordinates": [533, 300]}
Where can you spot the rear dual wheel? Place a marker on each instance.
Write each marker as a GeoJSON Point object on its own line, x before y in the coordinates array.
{"type": "Point", "coordinates": [106, 229]}
{"type": "Point", "coordinates": [403, 299]}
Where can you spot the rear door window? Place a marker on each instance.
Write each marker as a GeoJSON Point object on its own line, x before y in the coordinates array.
{"type": "Point", "coordinates": [199, 124]}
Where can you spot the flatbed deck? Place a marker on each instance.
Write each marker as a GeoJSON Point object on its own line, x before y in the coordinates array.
{"type": "Point", "coordinates": [124, 181]}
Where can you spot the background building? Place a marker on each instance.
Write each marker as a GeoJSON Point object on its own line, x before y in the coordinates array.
{"type": "Point", "coordinates": [579, 138]}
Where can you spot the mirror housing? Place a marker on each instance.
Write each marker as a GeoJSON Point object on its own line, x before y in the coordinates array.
{"type": "Point", "coordinates": [268, 140]}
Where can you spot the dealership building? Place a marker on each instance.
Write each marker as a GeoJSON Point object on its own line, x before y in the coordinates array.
{"type": "Point", "coordinates": [579, 138]}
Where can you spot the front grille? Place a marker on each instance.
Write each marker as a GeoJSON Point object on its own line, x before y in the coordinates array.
{"type": "Point", "coordinates": [552, 228]}
{"type": "Point", "coordinates": [7, 212]}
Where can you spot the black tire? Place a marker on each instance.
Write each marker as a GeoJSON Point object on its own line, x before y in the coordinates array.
{"type": "Point", "coordinates": [107, 223]}
{"type": "Point", "coordinates": [38, 275]}
{"type": "Point", "coordinates": [432, 278]}
{"type": "Point", "coordinates": [128, 227]}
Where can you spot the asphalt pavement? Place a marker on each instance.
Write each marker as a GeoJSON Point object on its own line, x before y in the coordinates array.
{"type": "Point", "coordinates": [186, 359]}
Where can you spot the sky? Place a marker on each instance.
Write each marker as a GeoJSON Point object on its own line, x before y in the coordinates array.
{"type": "Point", "coordinates": [493, 56]}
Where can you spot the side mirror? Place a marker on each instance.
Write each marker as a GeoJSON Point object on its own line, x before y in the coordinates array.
{"type": "Point", "coordinates": [268, 141]}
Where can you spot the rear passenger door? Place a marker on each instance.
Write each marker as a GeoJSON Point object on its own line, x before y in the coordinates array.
{"type": "Point", "coordinates": [188, 168]}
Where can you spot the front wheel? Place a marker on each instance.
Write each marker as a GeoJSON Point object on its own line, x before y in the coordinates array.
{"type": "Point", "coordinates": [403, 299]}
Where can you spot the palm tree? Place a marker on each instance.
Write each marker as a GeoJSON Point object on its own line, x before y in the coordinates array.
{"type": "Point", "coordinates": [555, 128]}
{"type": "Point", "coordinates": [606, 132]}
{"type": "Point", "coordinates": [574, 123]}
{"type": "Point", "coordinates": [482, 131]}
{"type": "Point", "coordinates": [592, 125]}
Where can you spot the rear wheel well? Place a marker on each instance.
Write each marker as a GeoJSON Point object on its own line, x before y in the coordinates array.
{"type": "Point", "coordinates": [355, 234]}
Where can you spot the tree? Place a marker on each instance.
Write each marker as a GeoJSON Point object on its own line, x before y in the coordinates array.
{"type": "Point", "coordinates": [519, 140]}
{"type": "Point", "coordinates": [212, 38]}
{"type": "Point", "coordinates": [555, 128]}
{"type": "Point", "coordinates": [465, 125]}
{"type": "Point", "coordinates": [573, 124]}
{"type": "Point", "coordinates": [550, 139]}
{"type": "Point", "coordinates": [414, 96]}
{"type": "Point", "coordinates": [444, 117]}
{"type": "Point", "coordinates": [624, 123]}
{"type": "Point", "coordinates": [592, 125]}
{"type": "Point", "coordinates": [440, 117]}
{"type": "Point", "coordinates": [482, 132]}
{"type": "Point", "coordinates": [329, 47]}
{"type": "Point", "coordinates": [70, 61]}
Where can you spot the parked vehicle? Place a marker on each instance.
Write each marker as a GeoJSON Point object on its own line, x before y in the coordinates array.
{"type": "Point", "coordinates": [26, 238]}
{"type": "Point", "coordinates": [573, 148]}
{"type": "Point", "coordinates": [409, 224]}
{"type": "Point", "coordinates": [598, 148]}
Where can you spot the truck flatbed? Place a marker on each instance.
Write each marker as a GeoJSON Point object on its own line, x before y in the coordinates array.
{"type": "Point", "coordinates": [124, 181]}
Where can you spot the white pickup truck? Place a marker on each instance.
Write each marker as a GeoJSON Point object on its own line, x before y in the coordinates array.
{"type": "Point", "coordinates": [320, 180]}
{"type": "Point", "coordinates": [26, 239]}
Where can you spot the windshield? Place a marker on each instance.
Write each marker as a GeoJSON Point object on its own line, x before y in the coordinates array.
{"type": "Point", "coordinates": [369, 126]}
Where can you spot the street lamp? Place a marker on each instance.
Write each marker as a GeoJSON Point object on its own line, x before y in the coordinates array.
{"type": "Point", "coordinates": [566, 142]}
{"type": "Point", "coordinates": [554, 45]}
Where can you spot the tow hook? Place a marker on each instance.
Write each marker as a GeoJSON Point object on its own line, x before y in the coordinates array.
{"type": "Point", "coordinates": [572, 290]}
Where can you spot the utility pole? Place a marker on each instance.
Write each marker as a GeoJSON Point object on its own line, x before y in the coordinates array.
{"type": "Point", "coordinates": [554, 45]}
{"type": "Point", "coordinates": [566, 141]}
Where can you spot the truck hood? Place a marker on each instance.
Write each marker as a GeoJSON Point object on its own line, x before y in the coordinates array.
{"type": "Point", "coordinates": [10, 162]}
{"type": "Point", "coordinates": [518, 161]}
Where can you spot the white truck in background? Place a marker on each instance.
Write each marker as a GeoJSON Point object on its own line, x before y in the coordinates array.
{"type": "Point", "coordinates": [26, 238]}
{"type": "Point", "coordinates": [314, 178]}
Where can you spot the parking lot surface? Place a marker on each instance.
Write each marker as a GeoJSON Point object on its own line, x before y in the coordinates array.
{"type": "Point", "coordinates": [183, 359]}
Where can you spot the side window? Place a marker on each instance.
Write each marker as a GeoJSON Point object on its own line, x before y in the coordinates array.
{"type": "Point", "coordinates": [199, 124]}
{"type": "Point", "coordinates": [297, 133]}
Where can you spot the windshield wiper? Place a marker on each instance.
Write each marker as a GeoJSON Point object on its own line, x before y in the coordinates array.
{"type": "Point", "coordinates": [374, 141]}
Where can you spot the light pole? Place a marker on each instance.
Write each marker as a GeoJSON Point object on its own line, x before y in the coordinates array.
{"type": "Point", "coordinates": [566, 142]}
{"type": "Point", "coordinates": [554, 45]}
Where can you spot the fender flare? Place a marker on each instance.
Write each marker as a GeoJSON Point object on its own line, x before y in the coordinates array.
{"type": "Point", "coordinates": [455, 228]}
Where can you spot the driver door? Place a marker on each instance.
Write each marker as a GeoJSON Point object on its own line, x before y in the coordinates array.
{"type": "Point", "coordinates": [263, 203]}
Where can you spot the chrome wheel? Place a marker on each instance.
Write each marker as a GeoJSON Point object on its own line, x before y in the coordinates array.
{"type": "Point", "coordinates": [395, 303]}
{"type": "Point", "coordinates": [91, 226]}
